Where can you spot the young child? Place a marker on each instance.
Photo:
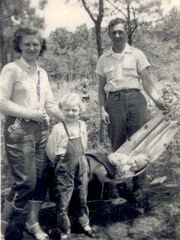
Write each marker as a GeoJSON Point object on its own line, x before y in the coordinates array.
{"type": "Point", "coordinates": [65, 148]}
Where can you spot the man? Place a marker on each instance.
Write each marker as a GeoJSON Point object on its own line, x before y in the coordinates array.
{"type": "Point", "coordinates": [122, 105]}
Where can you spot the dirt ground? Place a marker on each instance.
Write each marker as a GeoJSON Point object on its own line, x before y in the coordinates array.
{"type": "Point", "coordinates": [117, 219]}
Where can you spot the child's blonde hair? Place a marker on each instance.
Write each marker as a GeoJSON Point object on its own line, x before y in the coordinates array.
{"type": "Point", "coordinates": [72, 98]}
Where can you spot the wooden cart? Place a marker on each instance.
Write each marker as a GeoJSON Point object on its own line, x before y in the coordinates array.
{"type": "Point", "coordinates": [151, 139]}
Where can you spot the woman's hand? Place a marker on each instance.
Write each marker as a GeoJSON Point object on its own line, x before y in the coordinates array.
{"type": "Point", "coordinates": [39, 116]}
{"type": "Point", "coordinates": [46, 120]}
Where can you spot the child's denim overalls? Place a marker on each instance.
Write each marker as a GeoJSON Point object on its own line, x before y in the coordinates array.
{"type": "Point", "coordinates": [71, 174]}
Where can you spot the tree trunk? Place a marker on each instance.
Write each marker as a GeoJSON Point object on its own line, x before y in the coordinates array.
{"type": "Point", "coordinates": [3, 45]}
{"type": "Point", "coordinates": [98, 39]}
{"type": "Point", "coordinates": [3, 50]}
{"type": "Point", "coordinates": [129, 24]}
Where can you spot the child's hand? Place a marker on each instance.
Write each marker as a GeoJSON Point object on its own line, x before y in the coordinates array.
{"type": "Point", "coordinates": [46, 120]}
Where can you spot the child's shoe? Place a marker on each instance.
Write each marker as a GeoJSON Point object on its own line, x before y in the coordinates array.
{"type": "Point", "coordinates": [64, 236]}
{"type": "Point", "coordinates": [89, 231]}
{"type": "Point", "coordinates": [2, 237]}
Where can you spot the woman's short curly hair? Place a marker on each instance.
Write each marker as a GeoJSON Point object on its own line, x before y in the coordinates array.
{"type": "Point", "coordinates": [24, 31]}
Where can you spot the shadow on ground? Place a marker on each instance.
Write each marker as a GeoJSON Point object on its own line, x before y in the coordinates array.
{"type": "Point", "coordinates": [116, 219]}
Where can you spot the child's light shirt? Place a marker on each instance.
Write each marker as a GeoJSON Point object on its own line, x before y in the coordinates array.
{"type": "Point", "coordinates": [58, 139]}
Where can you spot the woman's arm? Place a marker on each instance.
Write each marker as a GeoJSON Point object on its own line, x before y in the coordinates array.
{"type": "Point", "coordinates": [51, 106]}
{"type": "Point", "coordinates": [7, 106]}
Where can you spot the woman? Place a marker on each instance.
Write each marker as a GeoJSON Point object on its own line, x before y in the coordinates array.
{"type": "Point", "coordinates": [25, 99]}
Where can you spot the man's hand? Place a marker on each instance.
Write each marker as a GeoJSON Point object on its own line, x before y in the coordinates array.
{"type": "Point", "coordinates": [152, 92]}
{"type": "Point", "coordinates": [162, 105]}
{"type": "Point", "coordinates": [105, 116]}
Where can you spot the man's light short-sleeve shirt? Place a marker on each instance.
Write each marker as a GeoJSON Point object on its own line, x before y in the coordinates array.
{"type": "Point", "coordinates": [122, 70]}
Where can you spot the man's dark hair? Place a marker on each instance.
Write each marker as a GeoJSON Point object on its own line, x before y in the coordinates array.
{"type": "Point", "coordinates": [27, 30]}
{"type": "Point", "coordinates": [116, 21]}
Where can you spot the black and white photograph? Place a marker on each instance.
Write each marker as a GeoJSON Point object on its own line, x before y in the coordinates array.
{"type": "Point", "coordinates": [90, 119]}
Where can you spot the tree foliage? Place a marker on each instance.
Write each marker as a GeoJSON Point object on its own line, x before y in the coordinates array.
{"type": "Point", "coordinates": [71, 55]}
{"type": "Point", "coordinates": [161, 44]}
{"type": "Point", "coordinates": [136, 13]}
{"type": "Point", "coordinates": [169, 29]}
{"type": "Point", "coordinates": [95, 10]}
{"type": "Point", "coordinates": [96, 13]}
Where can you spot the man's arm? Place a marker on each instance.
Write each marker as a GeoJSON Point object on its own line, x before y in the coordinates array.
{"type": "Point", "coordinates": [102, 99]}
{"type": "Point", "coordinates": [150, 89]}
